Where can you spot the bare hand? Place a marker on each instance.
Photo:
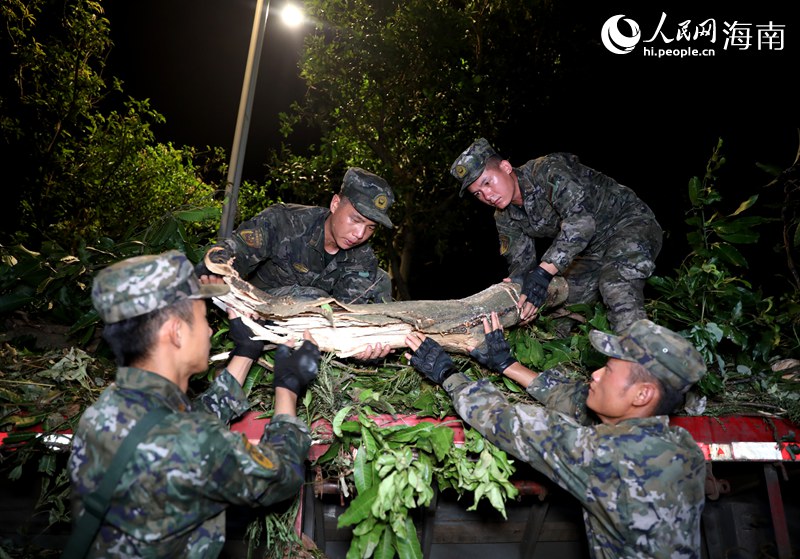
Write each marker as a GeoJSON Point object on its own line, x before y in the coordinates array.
{"type": "Point", "coordinates": [379, 351]}
{"type": "Point", "coordinates": [210, 279]}
{"type": "Point", "coordinates": [413, 341]}
{"type": "Point", "coordinates": [527, 312]}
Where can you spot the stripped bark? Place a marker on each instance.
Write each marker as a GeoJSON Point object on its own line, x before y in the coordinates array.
{"type": "Point", "coordinates": [346, 329]}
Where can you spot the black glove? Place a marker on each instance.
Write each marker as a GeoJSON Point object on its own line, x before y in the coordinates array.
{"type": "Point", "coordinates": [295, 369]}
{"type": "Point", "coordinates": [432, 360]}
{"type": "Point", "coordinates": [242, 344]}
{"type": "Point", "coordinates": [200, 269]}
{"type": "Point", "coordinates": [535, 286]}
{"type": "Point", "coordinates": [497, 355]}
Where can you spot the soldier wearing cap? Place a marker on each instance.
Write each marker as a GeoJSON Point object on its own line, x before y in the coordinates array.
{"type": "Point", "coordinates": [604, 238]}
{"type": "Point", "coordinates": [310, 252]}
{"type": "Point", "coordinates": [171, 497]}
{"type": "Point", "coordinates": [640, 481]}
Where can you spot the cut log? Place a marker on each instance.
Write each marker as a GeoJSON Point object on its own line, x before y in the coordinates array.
{"type": "Point", "coordinates": [346, 329]}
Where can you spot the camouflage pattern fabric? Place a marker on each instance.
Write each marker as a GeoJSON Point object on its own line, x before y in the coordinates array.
{"type": "Point", "coordinates": [668, 356]}
{"type": "Point", "coordinates": [284, 247]}
{"type": "Point", "coordinates": [143, 284]}
{"type": "Point", "coordinates": [171, 499]}
{"type": "Point", "coordinates": [471, 163]}
{"type": "Point", "coordinates": [641, 483]}
{"type": "Point", "coordinates": [370, 194]}
{"type": "Point", "coordinates": [605, 239]}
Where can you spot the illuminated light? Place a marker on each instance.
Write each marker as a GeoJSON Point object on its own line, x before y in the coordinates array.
{"type": "Point", "coordinates": [292, 15]}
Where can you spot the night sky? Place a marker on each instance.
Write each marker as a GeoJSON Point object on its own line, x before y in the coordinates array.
{"type": "Point", "coordinates": [649, 122]}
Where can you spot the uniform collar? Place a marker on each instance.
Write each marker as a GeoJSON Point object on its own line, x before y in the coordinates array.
{"type": "Point", "coordinates": [317, 238]}
{"type": "Point", "coordinates": [154, 387]}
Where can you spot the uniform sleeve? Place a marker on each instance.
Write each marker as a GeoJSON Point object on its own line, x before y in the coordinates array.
{"type": "Point", "coordinates": [231, 469]}
{"type": "Point", "coordinates": [516, 247]}
{"type": "Point", "coordinates": [571, 202]}
{"type": "Point", "coordinates": [557, 392]}
{"type": "Point", "coordinates": [224, 399]}
{"type": "Point", "coordinates": [251, 243]}
{"type": "Point", "coordinates": [552, 443]}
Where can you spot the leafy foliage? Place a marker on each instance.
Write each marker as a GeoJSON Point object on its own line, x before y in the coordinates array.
{"type": "Point", "coordinates": [393, 473]}
{"type": "Point", "coordinates": [733, 324]}
{"type": "Point", "coordinates": [85, 160]}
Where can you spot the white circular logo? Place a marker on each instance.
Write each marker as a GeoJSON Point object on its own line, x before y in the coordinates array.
{"type": "Point", "coordinates": [615, 41]}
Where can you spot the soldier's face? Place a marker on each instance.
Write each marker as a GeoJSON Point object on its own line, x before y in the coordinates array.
{"type": "Point", "coordinates": [497, 186]}
{"type": "Point", "coordinates": [611, 392]}
{"type": "Point", "coordinates": [346, 227]}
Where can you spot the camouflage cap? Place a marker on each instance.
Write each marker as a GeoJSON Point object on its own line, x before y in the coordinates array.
{"type": "Point", "coordinates": [470, 164]}
{"type": "Point", "coordinates": [668, 356]}
{"type": "Point", "coordinates": [144, 284]}
{"type": "Point", "coordinates": [370, 195]}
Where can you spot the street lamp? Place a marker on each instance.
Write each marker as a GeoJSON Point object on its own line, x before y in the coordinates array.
{"type": "Point", "coordinates": [293, 17]}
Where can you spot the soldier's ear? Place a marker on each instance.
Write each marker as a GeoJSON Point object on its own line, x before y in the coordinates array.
{"type": "Point", "coordinates": [335, 201]}
{"type": "Point", "coordinates": [506, 166]}
{"type": "Point", "coordinates": [645, 394]}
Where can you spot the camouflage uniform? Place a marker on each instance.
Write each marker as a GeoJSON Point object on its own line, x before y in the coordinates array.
{"type": "Point", "coordinates": [172, 498]}
{"type": "Point", "coordinates": [605, 239]}
{"type": "Point", "coordinates": [641, 482]}
{"type": "Point", "coordinates": [282, 249]}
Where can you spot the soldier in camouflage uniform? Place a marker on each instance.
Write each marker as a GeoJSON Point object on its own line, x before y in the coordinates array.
{"type": "Point", "coordinates": [311, 252]}
{"type": "Point", "coordinates": [609, 443]}
{"type": "Point", "coordinates": [605, 239]}
{"type": "Point", "coordinates": [172, 496]}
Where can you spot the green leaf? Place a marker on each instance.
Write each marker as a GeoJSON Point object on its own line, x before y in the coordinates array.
{"type": "Point", "coordinates": [746, 204]}
{"type": "Point", "coordinates": [330, 454]}
{"type": "Point", "coordinates": [372, 539]}
{"type": "Point", "coordinates": [511, 385]}
{"type": "Point", "coordinates": [408, 547]}
{"type": "Point", "coordinates": [199, 214]}
{"type": "Point", "coordinates": [730, 254]}
{"type": "Point", "coordinates": [338, 419]}
{"type": "Point", "coordinates": [359, 508]}
{"type": "Point", "coordinates": [368, 443]}
{"type": "Point", "coordinates": [408, 434]}
{"type": "Point", "coordinates": [741, 237]}
{"type": "Point", "coordinates": [363, 471]}
{"type": "Point", "coordinates": [386, 547]}
{"type": "Point", "coordinates": [695, 188]}
{"type": "Point", "coordinates": [442, 441]}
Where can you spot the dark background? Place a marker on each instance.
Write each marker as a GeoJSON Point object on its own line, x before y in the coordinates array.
{"type": "Point", "coordinates": [650, 123]}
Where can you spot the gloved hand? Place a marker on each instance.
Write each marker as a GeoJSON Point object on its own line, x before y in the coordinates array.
{"type": "Point", "coordinates": [242, 344]}
{"type": "Point", "coordinates": [432, 360]}
{"type": "Point", "coordinates": [497, 354]}
{"type": "Point", "coordinates": [294, 370]}
{"type": "Point", "coordinates": [200, 269]}
{"type": "Point", "coordinates": [535, 286]}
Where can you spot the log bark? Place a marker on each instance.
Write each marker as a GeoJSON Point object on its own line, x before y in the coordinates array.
{"type": "Point", "coordinates": [346, 329]}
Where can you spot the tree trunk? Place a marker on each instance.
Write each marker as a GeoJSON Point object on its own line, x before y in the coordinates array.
{"type": "Point", "coordinates": [346, 330]}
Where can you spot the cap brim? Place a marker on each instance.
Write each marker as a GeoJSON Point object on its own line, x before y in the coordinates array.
{"type": "Point", "coordinates": [608, 344]}
{"type": "Point", "coordinates": [383, 219]}
{"type": "Point", "coordinates": [209, 290]}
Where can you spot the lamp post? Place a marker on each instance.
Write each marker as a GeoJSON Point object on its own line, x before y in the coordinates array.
{"type": "Point", "coordinates": [292, 16]}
